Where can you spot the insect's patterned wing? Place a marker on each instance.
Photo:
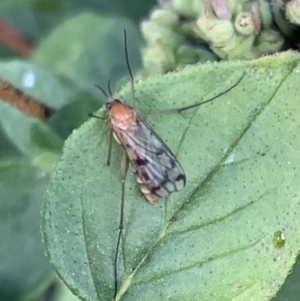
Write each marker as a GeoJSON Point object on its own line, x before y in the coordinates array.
{"type": "Point", "coordinates": [153, 162]}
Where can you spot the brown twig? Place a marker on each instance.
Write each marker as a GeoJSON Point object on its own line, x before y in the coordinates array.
{"type": "Point", "coordinates": [14, 40]}
{"type": "Point", "coordinates": [23, 102]}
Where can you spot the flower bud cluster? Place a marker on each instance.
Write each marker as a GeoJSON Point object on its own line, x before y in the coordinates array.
{"type": "Point", "coordinates": [181, 32]}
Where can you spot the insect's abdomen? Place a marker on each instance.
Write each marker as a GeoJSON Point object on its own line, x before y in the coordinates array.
{"type": "Point", "coordinates": [152, 198]}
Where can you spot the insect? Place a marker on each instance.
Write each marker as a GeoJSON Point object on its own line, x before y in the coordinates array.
{"type": "Point", "coordinates": [156, 168]}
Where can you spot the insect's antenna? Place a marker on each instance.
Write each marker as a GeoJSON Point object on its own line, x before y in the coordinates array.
{"type": "Point", "coordinates": [102, 90]}
{"type": "Point", "coordinates": [109, 88]}
{"type": "Point", "coordinates": [128, 65]}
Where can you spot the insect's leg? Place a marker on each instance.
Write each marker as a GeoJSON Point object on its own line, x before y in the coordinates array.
{"type": "Point", "coordinates": [124, 167]}
{"type": "Point", "coordinates": [95, 116]}
{"type": "Point", "coordinates": [180, 110]}
{"type": "Point", "coordinates": [109, 148]}
{"type": "Point", "coordinates": [110, 138]}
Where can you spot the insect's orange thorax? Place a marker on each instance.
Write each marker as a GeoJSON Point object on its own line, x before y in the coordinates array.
{"type": "Point", "coordinates": [121, 115]}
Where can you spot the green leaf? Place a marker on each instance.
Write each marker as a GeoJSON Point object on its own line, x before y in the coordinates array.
{"type": "Point", "coordinates": [89, 49]}
{"type": "Point", "coordinates": [38, 5]}
{"type": "Point", "coordinates": [29, 19]}
{"type": "Point", "coordinates": [29, 135]}
{"type": "Point", "coordinates": [74, 114]}
{"type": "Point", "coordinates": [43, 85]}
{"type": "Point", "coordinates": [217, 239]}
{"type": "Point", "coordinates": [24, 269]}
{"type": "Point", "coordinates": [7, 149]}
{"type": "Point", "coordinates": [290, 290]}
{"type": "Point", "coordinates": [64, 294]}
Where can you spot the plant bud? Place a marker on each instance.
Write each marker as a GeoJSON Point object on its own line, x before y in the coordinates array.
{"type": "Point", "coordinates": [244, 24]}
{"type": "Point", "coordinates": [292, 11]}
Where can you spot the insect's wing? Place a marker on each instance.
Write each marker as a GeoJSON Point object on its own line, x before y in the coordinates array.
{"type": "Point", "coordinates": [153, 162]}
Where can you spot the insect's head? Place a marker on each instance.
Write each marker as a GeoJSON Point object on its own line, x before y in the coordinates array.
{"type": "Point", "coordinates": [111, 102]}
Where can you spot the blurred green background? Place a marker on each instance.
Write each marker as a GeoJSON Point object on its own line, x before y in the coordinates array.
{"type": "Point", "coordinates": [94, 29]}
